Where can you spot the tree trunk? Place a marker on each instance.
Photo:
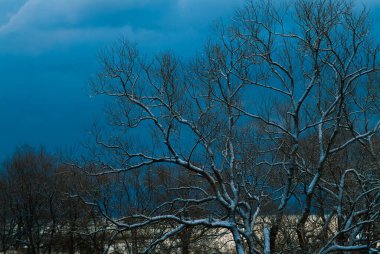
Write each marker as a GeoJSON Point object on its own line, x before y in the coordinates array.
{"type": "Point", "coordinates": [185, 240]}
{"type": "Point", "coordinates": [238, 241]}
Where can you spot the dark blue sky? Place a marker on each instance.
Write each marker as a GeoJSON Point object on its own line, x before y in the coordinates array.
{"type": "Point", "coordinates": [48, 51]}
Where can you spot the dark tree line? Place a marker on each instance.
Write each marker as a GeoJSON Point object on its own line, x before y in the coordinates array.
{"type": "Point", "coordinates": [47, 206]}
{"type": "Point", "coordinates": [37, 214]}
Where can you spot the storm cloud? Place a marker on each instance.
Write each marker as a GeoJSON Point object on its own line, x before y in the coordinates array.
{"type": "Point", "coordinates": [48, 51]}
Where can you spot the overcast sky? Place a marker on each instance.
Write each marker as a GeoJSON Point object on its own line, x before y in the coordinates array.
{"type": "Point", "coordinates": [48, 51]}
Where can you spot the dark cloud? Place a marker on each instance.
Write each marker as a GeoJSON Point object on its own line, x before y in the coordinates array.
{"type": "Point", "coordinates": [40, 25]}
{"type": "Point", "coordinates": [48, 50]}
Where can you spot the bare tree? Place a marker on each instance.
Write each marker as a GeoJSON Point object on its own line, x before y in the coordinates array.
{"type": "Point", "coordinates": [31, 197]}
{"type": "Point", "coordinates": [268, 120]}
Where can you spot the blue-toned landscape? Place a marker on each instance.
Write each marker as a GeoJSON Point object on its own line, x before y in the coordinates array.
{"type": "Point", "coordinates": [189, 126]}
